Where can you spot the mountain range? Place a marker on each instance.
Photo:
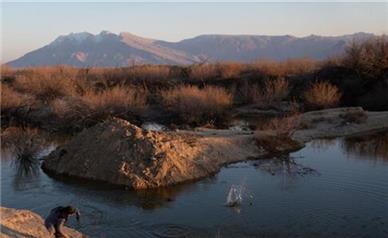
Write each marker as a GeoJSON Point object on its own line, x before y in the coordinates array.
{"type": "Point", "coordinates": [107, 49]}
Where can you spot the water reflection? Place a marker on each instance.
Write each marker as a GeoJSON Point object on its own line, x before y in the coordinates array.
{"type": "Point", "coordinates": [373, 147]}
{"type": "Point", "coordinates": [287, 168]}
{"type": "Point", "coordinates": [323, 144]}
{"type": "Point", "coordinates": [147, 199]}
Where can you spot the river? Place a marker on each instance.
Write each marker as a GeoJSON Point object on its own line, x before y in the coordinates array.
{"type": "Point", "coordinates": [330, 188]}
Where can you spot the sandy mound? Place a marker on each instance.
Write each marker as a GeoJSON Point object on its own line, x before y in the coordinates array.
{"type": "Point", "coordinates": [24, 223]}
{"type": "Point", "coordinates": [120, 153]}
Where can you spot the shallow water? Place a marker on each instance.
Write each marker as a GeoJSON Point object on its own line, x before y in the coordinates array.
{"type": "Point", "coordinates": [336, 188]}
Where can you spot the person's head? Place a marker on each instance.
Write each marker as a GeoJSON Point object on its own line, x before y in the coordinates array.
{"type": "Point", "coordinates": [69, 210]}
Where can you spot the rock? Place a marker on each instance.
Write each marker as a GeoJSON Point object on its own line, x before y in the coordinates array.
{"type": "Point", "coordinates": [120, 153]}
{"type": "Point", "coordinates": [24, 223]}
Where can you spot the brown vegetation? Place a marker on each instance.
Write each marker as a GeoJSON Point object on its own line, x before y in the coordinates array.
{"type": "Point", "coordinates": [12, 100]}
{"type": "Point", "coordinates": [25, 144]}
{"type": "Point", "coordinates": [322, 95]}
{"type": "Point", "coordinates": [196, 94]}
{"type": "Point", "coordinates": [275, 90]}
{"type": "Point", "coordinates": [285, 68]}
{"type": "Point", "coordinates": [196, 106]}
{"type": "Point", "coordinates": [116, 100]}
{"type": "Point", "coordinates": [45, 87]}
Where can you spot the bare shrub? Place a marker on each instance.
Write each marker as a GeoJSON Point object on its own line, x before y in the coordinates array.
{"type": "Point", "coordinates": [45, 87]}
{"type": "Point", "coordinates": [284, 126]}
{"type": "Point", "coordinates": [115, 101]}
{"type": "Point", "coordinates": [12, 100]}
{"type": "Point", "coordinates": [149, 72]}
{"type": "Point", "coordinates": [249, 93]}
{"type": "Point", "coordinates": [369, 58]}
{"type": "Point", "coordinates": [197, 106]}
{"type": "Point", "coordinates": [229, 70]}
{"type": "Point", "coordinates": [7, 73]}
{"type": "Point", "coordinates": [275, 90]}
{"type": "Point", "coordinates": [276, 135]}
{"type": "Point", "coordinates": [285, 68]}
{"type": "Point", "coordinates": [322, 95]}
{"type": "Point", "coordinates": [203, 72]}
{"type": "Point", "coordinates": [71, 114]}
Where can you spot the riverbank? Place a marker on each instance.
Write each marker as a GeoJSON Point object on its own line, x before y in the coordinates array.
{"type": "Point", "coordinates": [120, 153]}
{"type": "Point", "coordinates": [340, 122]}
{"type": "Point", "coordinates": [25, 223]}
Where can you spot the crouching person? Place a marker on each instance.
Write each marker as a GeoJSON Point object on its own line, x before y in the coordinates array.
{"type": "Point", "coordinates": [57, 219]}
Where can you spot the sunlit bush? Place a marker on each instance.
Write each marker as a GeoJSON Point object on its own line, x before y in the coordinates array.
{"type": "Point", "coordinates": [198, 106]}
{"type": "Point", "coordinates": [322, 95]}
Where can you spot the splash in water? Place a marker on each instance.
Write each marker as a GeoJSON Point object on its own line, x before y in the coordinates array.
{"type": "Point", "coordinates": [234, 197]}
{"type": "Point", "coordinates": [152, 126]}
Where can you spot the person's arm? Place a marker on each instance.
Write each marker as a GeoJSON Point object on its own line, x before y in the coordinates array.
{"type": "Point", "coordinates": [59, 228]}
{"type": "Point", "coordinates": [77, 215]}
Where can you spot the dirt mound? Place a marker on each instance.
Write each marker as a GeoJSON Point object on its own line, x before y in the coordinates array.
{"type": "Point", "coordinates": [120, 153]}
{"type": "Point", "coordinates": [24, 223]}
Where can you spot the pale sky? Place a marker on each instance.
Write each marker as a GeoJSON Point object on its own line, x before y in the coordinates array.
{"type": "Point", "coordinates": [28, 26]}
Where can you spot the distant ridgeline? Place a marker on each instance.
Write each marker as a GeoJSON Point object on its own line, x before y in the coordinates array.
{"type": "Point", "coordinates": [111, 50]}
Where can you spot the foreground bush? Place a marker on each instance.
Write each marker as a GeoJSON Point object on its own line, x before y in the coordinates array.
{"type": "Point", "coordinates": [25, 144]}
{"type": "Point", "coordinates": [322, 95]}
{"type": "Point", "coordinates": [198, 106]}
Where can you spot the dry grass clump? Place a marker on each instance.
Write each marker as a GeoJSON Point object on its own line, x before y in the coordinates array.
{"type": "Point", "coordinates": [25, 144]}
{"type": "Point", "coordinates": [115, 101]}
{"type": "Point", "coordinates": [45, 87]}
{"type": "Point", "coordinates": [71, 114]}
{"type": "Point", "coordinates": [12, 100]}
{"type": "Point", "coordinates": [225, 70]}
{"type": "Point", "coordinates": [284, 126]}
{"type": "Point", "coordinates": [198, 106]}
{"type": "Point", "coordinates": [275, 90]}
{"type": "Point", "coordinates": [369, 58]}
{"type": "Point", "coordinates": [249, 93]}
{"type": "Point", "coordinates": [149, 72]}
{"type": "Point", "coordinates": [75, 113]}
{"type": "Point", "coordinates": [285, 68]}
{"type": "Point", "coordinates": [228, 70]}
{"type": "Point", "coordinates": [202, 72]}
{"type": "Point", "coordinates": [276, 135]}
{"type": "Point", "coordinates": [322, 95]}
{"type": "Point", "coordinates": [6, 72]}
